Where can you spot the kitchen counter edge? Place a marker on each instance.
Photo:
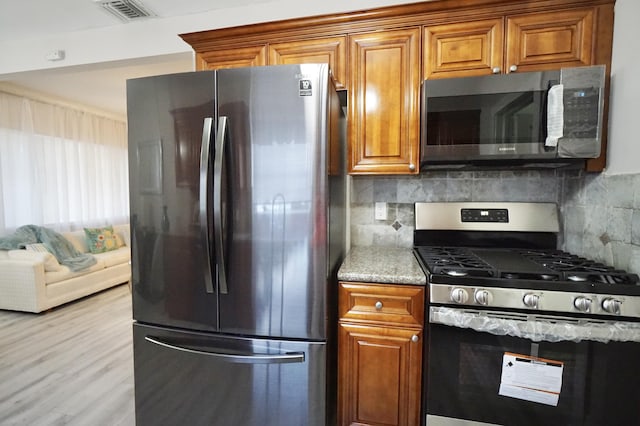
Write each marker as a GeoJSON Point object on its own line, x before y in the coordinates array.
{"type": "Point", "coordinates": [389, 265]}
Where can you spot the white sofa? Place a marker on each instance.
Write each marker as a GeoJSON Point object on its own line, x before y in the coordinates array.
{"type": "Point", "coordinates": [34, 281]}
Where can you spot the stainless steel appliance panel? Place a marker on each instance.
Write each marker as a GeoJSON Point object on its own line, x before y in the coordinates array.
{"type": "Point", "coordinates": [190, 378]}
{"type": "Point", "coordinates": [169, 117]}
{"type": "Point", "coordinates": [274, 212]}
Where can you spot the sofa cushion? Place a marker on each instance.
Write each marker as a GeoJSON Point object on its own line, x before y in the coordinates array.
{"type": "Point", "coordinates": [65, 273]}
{"type": "Point", "coordinates": [114, 257]}
{"type": "Point", "coordinates": [123, 231]}
{"type": "Point", "coordinates": [101, 240]}
{"type": "Point", "coordinates": [78, 239]}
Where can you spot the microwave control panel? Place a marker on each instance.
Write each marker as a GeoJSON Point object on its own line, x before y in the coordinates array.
{"type": "Point", "coordinates": [581, 112]}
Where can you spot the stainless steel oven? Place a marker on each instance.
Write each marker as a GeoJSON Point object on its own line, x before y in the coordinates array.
{"type": "Point", "coordinates": [521, 333]}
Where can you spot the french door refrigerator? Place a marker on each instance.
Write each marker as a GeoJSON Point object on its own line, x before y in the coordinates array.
{"type": "Point", "coordinates": [237, 191]}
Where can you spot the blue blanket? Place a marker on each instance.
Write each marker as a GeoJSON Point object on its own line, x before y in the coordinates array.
{"type": "Point", "coordinates": [58, 245]}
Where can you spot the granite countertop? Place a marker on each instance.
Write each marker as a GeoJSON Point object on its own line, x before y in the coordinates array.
{"type": "Point", "coordinates": [382, 265]}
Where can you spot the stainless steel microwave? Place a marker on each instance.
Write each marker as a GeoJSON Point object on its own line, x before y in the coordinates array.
{"type": "Point", "coordinates": [534, 118]}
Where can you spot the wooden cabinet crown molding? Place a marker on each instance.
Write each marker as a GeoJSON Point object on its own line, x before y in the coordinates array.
{"type": "Point", "coordinates": [413, 14]}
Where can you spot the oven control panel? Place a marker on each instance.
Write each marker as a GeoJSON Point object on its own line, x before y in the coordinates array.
{"type": "Point", "coordinates": [534, 300]}
{"type": "Point", "coordinates": [484, 215]}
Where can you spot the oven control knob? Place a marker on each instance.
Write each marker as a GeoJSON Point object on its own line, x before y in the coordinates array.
{"type": "Point", "coordinates": [611, 305]}
{"type": "Point", "coordinates": [459, 295]}
{"type": "Point", "coordinates": [583, 304]}
{"type": "Point", "coordinates": [483, 297]}
{"type": "Point", "coordinates": [531, 300]}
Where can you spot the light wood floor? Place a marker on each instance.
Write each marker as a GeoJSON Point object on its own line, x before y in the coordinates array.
{"type": "Point", "coordinates": [72, 365]}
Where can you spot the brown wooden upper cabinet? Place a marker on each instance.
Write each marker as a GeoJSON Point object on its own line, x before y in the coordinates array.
{"type": "Point", "coordinates": [250, 56]}
{"type": "Point", "coordinates": [330, 50]}
{"type": "Point", "coordinates": [384, 99]}
{"type": "Point", "coordinates": [526, 42]}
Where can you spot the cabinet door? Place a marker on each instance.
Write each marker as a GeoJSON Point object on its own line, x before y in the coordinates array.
{"type": "Point", "coordinates": [384, 82]}
{"type": "Point", "coordinates": [232, 58]}
{"type": "Point", "coordinates": [332, 51]}
{"type": "Point", "coordinates": [550, 40]}
{"type": "Point", "coordinates": [379, 372]}
{"type": "Point", "coordinates": [463, 49]}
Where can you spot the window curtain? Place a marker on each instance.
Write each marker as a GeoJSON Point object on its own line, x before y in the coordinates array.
{"type": "Point", "coordinates": [60, 167]}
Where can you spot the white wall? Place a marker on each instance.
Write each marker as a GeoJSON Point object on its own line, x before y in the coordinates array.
{"type": "Point", "coordinates": [623, 154]}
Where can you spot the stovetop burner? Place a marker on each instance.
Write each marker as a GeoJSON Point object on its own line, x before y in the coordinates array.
{"type": "Point", "coordinates": [579, 269]}
{"type": "Point", "coordinates": [518, 264]}
{"type": "Point", "coordinates": [455, 261]}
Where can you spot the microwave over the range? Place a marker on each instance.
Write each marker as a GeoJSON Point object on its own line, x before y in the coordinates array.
{"type": "Point", "coordinates": [541, 118]}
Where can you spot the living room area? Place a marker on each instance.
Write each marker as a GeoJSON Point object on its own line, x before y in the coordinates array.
{"type": "Point", "coordinates": [65, 302]}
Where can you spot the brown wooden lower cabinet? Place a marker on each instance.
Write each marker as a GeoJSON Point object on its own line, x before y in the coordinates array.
{"type": "Point", "coordinates": [380, 358]}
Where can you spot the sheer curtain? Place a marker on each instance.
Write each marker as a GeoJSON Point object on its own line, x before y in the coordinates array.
{"type": "Point", "coordinates": [60, 167]}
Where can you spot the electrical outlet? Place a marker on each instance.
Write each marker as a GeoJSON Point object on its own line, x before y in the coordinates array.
{"type": "Point", "coordinates": [380, 211]}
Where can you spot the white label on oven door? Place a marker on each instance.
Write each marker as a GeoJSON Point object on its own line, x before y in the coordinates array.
{"type": "Point", "coordinates": [531, 378]}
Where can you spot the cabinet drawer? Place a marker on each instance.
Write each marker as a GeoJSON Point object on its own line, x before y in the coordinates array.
{"type": "Point", "coordinates": [381, 303]}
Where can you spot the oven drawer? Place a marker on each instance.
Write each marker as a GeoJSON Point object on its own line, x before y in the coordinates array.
{"type": "Point", "coordinates": [382, 303]}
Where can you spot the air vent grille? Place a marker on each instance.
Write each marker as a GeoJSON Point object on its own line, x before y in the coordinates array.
{"type": "Point", "coordinates": [127, 10]}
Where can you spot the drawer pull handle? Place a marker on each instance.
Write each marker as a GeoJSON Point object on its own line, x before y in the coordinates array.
{"type": "Point", "coordinates": [378, 305]}
{"type": "Point", "coordinates": [415, 338]}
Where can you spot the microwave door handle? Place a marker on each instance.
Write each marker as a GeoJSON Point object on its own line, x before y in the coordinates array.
{"type": "Point", "coordinates": [221, 137]}
{"type": "Point", "coordinates": [544, 112]}
{"type": "Point", "coordinates": [205, 152]}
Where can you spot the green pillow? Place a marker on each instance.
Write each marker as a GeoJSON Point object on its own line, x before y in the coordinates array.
{"type": "Point", "coordinates": [101, 240]}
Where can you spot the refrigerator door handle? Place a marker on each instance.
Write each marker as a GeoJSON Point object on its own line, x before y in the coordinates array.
{"type": "Point", "coordinates": [221, 137]}
{"type": "Point", "coordinates": [204, 208]}
{"type": "Point", "coordinates": [238, 358]}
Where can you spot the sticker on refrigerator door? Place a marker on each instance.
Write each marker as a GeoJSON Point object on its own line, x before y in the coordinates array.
{"type": "Point", "coordinates": [305, 87]}
{"type": "Point", "coordinates": [531, 378]}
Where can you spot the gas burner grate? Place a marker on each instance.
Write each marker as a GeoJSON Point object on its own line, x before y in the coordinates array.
{"type": "Point", "coordinates": [454, 261]}
{"type": "Point", "coordinates": [578, 269]}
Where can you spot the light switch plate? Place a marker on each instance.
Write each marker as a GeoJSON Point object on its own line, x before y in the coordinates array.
{"type": "Point", "coordinates": [380, 211]}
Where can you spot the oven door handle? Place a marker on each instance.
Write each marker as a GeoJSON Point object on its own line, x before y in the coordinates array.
{"type": "Point", "coordinates": [536, 328]}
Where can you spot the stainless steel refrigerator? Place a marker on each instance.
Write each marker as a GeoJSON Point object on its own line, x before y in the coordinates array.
{"type": "Point", "coordinates": [237, 190]}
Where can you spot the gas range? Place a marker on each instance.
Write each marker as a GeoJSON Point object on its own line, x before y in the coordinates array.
{"type": "Point", "coordinates": [504, 256]}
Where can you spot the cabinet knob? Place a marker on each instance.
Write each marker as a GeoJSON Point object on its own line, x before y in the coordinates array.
{"type": "Point", "coordinates": [415, 338]}
{"type": "Point", "coordinates": [378, 305]}
{"type": "Point", "coordinates": [513, 68]}
{"type": "Point", "coordinates": [412, 167]}
{"type": "Point", "coordinates": [496, 70]}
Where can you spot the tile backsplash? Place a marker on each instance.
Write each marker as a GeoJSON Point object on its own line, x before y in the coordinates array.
{"type": "Point", "coordinates": [600, 214]}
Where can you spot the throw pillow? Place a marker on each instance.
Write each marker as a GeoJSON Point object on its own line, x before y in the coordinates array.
{"type": "Point", "coordinates": [101, 240]}
{"type": "Point", "coordinates": [50, 262]}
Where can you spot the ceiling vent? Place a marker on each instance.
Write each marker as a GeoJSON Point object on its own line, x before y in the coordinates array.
{"type": "Point", "coordinates": [126, 10]}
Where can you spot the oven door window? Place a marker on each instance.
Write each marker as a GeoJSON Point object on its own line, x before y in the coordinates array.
{"type": "Point", "coordinates": [465, 370]}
